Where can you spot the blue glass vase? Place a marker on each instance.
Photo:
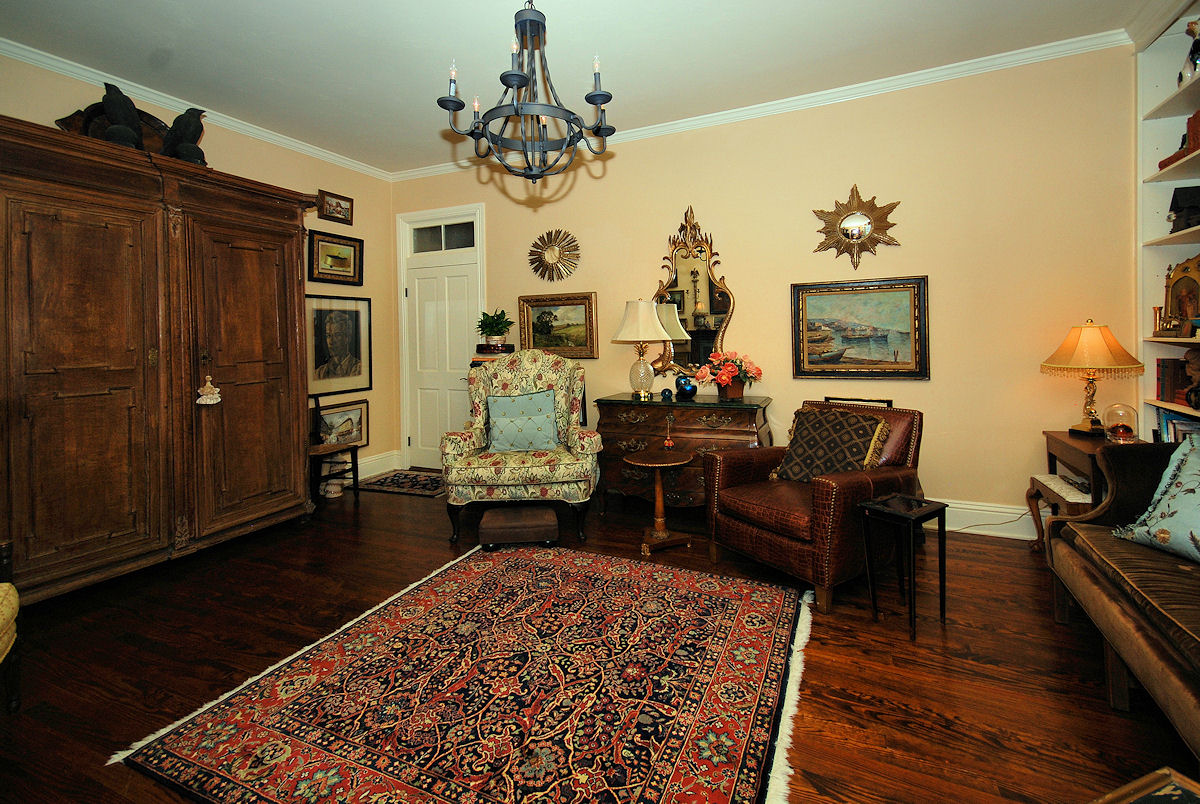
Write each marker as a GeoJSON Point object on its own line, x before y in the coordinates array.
{"type": "Point", "coordinates": [685, 388]}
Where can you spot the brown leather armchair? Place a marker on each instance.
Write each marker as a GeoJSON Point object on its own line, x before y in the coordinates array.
{"type": "Point", "coordinates": [811, 530]}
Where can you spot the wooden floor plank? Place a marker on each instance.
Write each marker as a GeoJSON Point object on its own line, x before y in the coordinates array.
{"type": "Point", "coordinates": [999, 704]}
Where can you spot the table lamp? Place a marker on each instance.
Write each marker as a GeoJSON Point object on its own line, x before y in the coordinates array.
{"type": "Point", "coordinates": [640, 326]}
{"type": "Point", "coordinates": [1091, 351]}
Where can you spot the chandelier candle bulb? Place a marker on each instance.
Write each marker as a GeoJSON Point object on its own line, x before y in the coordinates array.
{"type": "Point", "coordinates": [453, 80]}
{"type": "Point", "coordinates": [596, 74]}
{"type": "Point", "coordinates": [515, 48]}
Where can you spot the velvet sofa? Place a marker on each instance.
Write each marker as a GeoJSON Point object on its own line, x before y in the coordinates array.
{"type": "Point", "coordinates": [1144, 601]}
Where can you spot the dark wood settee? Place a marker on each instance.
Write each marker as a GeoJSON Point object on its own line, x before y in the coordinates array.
{"type": "Point", "coordinates": [1144, 601]}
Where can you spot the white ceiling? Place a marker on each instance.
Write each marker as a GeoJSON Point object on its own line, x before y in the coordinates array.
{"type": "Point", "coordinates": [360, 78]}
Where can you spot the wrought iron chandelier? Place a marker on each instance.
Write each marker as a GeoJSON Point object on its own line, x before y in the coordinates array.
{"type": "Point", "coordinates": [529, 131]}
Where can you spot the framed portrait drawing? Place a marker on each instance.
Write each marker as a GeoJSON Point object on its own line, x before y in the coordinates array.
{"type": "Point", "coordinates": [339, 344]}
{"type": "Point", "coordinates": [872, 328]}
{"type": "Point", "coordinates": [344, 423]}
{"type": "Point", "coordinates": [333, 258]}
{"type": "Point", "coordinates": [332, 207]}
{"type": "Point", "coordinates": [563, 324]}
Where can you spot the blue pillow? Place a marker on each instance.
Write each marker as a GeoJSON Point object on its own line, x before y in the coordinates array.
{"type": "Point", "coordinates": [1173, 519]}
{"type": "Point", "coordinates": [524, 422]}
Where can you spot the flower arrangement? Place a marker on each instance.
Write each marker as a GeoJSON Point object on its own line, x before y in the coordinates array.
{"type": "Point", "coordinates": [725, 367]}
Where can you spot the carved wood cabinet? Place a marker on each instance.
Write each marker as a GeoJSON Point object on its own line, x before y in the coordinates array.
{"type": "Point", "coordinates": [698, 425]}
{"type": "Point", "coordinates": [128, 278]}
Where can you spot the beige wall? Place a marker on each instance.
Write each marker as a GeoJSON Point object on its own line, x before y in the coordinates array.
{"type": "Point", "coordinates": [34, 94]}
{"type": "Point", "coordinates": [1016, 191]}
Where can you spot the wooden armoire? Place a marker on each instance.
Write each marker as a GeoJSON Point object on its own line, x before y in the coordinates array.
{"type": "Point", "coordinates": [126, 279]}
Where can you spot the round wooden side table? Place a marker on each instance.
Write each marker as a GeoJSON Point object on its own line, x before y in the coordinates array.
{"type": "Point", "coordinates": [657, 536]}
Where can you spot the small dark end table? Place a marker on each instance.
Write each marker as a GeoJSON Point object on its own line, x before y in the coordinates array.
{"type": "Point", "coordinates": [909, 513]}
{"type": "Point", "coordinates": [658, 536]}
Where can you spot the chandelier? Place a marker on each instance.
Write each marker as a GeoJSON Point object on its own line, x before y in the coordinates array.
{"type": "Point", "coordinates": [529, 131]}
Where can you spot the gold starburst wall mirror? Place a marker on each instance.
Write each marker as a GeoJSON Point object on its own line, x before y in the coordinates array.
{"type": "Point", "coordinates": [856, 226]}
{"type": "Point", "coordinates": [554, 255]}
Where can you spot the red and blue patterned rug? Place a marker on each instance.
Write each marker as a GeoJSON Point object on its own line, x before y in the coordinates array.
{"type": "Point", "coordinates": [422, 483]}
{"type": "Point", "coordinates": [528, 674]}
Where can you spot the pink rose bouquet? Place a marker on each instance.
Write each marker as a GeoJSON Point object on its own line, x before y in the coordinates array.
{"type": "Point", "coordinates": [724, 367]}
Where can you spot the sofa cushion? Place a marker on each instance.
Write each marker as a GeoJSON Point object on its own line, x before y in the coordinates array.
{"type": "Point", "coordinates": [522, 422]}
{"type": "Point", "coordinates": [1172, 521]}
{"type": "Point", "coordinates": [827, 441]}
{"type": "Point", "coordinates": [1158, 583]}
{"type": "Point", "coordinates": [490, 468]}
{"type": "Point", "coordinates": [780, 506]}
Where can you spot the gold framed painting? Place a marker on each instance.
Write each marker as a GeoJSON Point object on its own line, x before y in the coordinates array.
{"type": "Point", "coordinates": [562, 324]}
{"type": "Point", "coordinates": [334, 258]}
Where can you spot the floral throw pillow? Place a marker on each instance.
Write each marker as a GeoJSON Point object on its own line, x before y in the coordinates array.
{"type": "Point", "coordinates": [1172, 522]}
{"type": "Point", "coordinates": [524, 422]}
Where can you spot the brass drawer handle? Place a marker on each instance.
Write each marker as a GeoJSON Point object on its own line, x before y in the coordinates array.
{"type": "Point", "coordinates": [632, 446]}
{"type": "Point", "coordinates": [629, 417]}
{"type": "Point", "coordinates": [714, 421]}
{"type": "Point", "coordinates": [702, 451]}
{"type": "Point", "coordinates": [635, 474]}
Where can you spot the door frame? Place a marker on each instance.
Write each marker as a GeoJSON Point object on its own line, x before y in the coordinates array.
{"type": "Point", "coordinates": [405, 223]}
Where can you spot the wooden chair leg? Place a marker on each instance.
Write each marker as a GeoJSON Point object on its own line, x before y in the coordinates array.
{"type": "Point", "coordinates": [1117, 675]}
{"type": "Point", "coordinates": [824, 598]}
{"type": "Point", "coordinates": [1062, 600]}
{"type": "Point", "coordinates": [10, 674]}
{"type": "Point", "coordinates": [455, 513]}
{"type": "Point", "coordinates": [580, 510]}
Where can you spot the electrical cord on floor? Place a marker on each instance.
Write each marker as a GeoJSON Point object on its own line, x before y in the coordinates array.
{"type": "Point", "coordinates": [969, 528]}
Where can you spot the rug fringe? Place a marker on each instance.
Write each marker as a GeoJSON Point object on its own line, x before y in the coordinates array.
{"type": "Point", "coordinates": [781, 769]}
{"type": "Point", "coordinates": [120, 756]}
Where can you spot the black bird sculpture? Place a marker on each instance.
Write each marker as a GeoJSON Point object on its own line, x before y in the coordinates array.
{"type": "Point", "coordinates": [180, 141]}
{"type": "Point", "coordinates": [124, 124]}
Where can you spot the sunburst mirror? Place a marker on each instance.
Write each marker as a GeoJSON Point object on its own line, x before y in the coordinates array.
{"type": "Point", "coordinates": [554, 255]}
{"type": "Point", "coordinates": [856, 226]}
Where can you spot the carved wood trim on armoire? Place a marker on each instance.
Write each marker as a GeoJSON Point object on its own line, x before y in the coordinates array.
{"type": "Point", "coordinates": [126, 279]}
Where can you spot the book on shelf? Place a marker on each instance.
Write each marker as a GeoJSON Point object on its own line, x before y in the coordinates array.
{"type": "Point", "coordinates": [1171, 380]}
{"type": "Point", "coordinates": [1172, 426]}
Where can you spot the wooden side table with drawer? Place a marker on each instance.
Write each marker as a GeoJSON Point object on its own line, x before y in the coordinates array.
{"type": "Point", "coordinates": [698, 425]}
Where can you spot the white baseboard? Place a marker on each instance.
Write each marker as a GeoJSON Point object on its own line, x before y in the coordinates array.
{"type": "Point", "coordinates": [990, 519]}
{"type": "Point", "coordinates": [378, 464]}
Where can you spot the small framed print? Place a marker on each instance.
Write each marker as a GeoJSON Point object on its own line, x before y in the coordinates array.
{"type": "Point", "coordinates": [344, 423]}
{"type": "Point", "coordinates": [562, 324]}
{"type": "Point", "coordinates": [334, 258]}
{"type": "Point", "coordinates": [332, 207]}
{"type": "Point", "coordinates": [339, 344]}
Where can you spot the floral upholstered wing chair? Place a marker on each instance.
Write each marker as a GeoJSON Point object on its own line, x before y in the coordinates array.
{"type": "Point", "coordinates": [564, 472]}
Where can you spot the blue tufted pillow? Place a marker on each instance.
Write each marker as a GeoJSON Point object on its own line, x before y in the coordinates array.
{"type": "Point", "coordinates": [1173, 519]}
{"type": "Point", "coordinates": [524, 422]}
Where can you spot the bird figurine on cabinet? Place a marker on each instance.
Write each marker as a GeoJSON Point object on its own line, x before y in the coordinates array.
{"type": "Point", "coordinates": [180, 141]}
{"type": "Point", "coordinates": [124, 124]}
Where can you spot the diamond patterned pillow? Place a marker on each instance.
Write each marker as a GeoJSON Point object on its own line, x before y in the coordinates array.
{"type": "Point", "coordinates": [524, 422]}
{"type": "Point", "coordinates": [827, 441]}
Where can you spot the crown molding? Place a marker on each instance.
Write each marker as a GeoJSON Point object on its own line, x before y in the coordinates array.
{"type": "Point", "coordinates": [46, 61]}
{"type": "Point", "coordinates": [1153, 18]}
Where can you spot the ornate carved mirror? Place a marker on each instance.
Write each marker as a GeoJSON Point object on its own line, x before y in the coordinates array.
{"type": "Point", "coordinates": [702, 299]}
{"type": "Point", "coordinates": [856, 226]}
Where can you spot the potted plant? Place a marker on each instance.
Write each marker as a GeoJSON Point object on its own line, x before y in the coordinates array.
{"type": "Point", "coordinates": [494, 327]}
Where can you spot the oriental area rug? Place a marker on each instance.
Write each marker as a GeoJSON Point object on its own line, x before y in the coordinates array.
{"type": "Point", "coordinates": [406, 481]}
{"type": "Point", "coordinates": [527, 674]}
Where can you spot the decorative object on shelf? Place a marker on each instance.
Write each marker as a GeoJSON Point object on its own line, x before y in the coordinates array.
{"type": "Point", "coordinates": [1185, 208]}
{"type": "Point", "coordinates": [867, 328]}
{"type": "Point", "coordinates": [494, 327]}
{"type": "Point", "coordinates": [529, 132]}
{"type": "Point", "coordinates": [1188, 72]}
{"type": "Point", "coordinates": [562, 324]}
{"type": "Point", "coordinates": [339, 344]}
{"type": "Point", "coordinates": [334, 258]}
{"type": "Point", "coordinates": [856, 226]}
{"type": "Point", "coordinates": [640, 326]}
{"type": "Point", "coordinates": [344, 423]}
{"type": "Point", "coordinates": [181, 139]}
{"type": "Point", "coordinates": [730, 372]}
{"type": "Point", "coordinates": [1120, 423]}
{"type": "Point", "coordinates": [1191, 394]}
{"type": "Point", "coordinates": [1181, 300]}
{"type": "Point", "coordinates": [665, 395]}
{"type": "Point", "coordinates": [208, 394]}
{"type": "Point", "coordinates": [691, 259]}
{"type": "Point", "coordinates": [124, 125]}
{"type": "Point", "coordinates": [494, 349]}
{"type": "Point", "coordinates": [333, 207]}
{"type": "Point", "coordinates": [685, 387]}
{"type": "Point", "coordinates": [1091, 351]}
{"type": "Point", "coordinates": [554, 255]}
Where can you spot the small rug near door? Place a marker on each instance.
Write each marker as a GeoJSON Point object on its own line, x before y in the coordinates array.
{"type": "Point", "coordinates": [527, 674]}
{"type": "Point", "coordinates": [406, 481]}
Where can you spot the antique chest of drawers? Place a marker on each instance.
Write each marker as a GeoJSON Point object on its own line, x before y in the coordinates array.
{"type": "Point", "coordinates": [698, 425]}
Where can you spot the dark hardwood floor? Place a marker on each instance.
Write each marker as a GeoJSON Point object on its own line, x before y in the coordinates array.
{"type": "Point", "coordinates": [1000, 704]}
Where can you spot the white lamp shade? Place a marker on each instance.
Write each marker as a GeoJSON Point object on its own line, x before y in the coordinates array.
{"type": "Point", "coordinates": [668, 316]}
{"type": "Point", "coordinates": [640, 324]}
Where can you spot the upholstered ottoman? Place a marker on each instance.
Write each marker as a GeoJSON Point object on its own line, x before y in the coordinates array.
{"type": "Point", "coordinates": [518, 523]}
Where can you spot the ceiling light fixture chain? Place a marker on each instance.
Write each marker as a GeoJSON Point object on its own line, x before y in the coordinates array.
{"type": "Point", "coordinates": [529, 131]}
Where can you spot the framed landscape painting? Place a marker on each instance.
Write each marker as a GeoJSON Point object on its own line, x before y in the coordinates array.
{"type": "Point", "coordinates": [563, 324]}
{"type": "Point", "coordinates": [872, 328]}
{"type": "Point", "coordinates": [344, 423]}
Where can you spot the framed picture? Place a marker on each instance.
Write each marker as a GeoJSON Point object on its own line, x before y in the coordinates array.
{"type": "Point", "coordinates": [871, 328]}
{"type": "Point", "coordinates": [564, 324]}
{"type": "Point", "coordinates": [344, 423]}
{"type": "Point", "coordinates": [333, 258]}
{"type": "Point", "coordinates": [339, 344]}
{"type": "Point", "coordinates": [677, 298]}
{"type": "Point", "coordinates": [332, 207]}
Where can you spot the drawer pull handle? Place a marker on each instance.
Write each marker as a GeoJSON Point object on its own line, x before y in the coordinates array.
{"type": "Point", "coordinates": [630, 417]}
{"type": "Point", "coordinates": [714, 421]}
{"type": "Point", "coordinates": [632, 446]}
{"type": "Point", "coordinates": [635, 474]}
{"type": "Point", "coordinates": [700, 451]}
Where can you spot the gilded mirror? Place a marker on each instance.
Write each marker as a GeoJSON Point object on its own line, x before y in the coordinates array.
{"type": "Point", "coordinates": [702, 299]}
{"type": "Point", "coordinates": [856, 226]}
